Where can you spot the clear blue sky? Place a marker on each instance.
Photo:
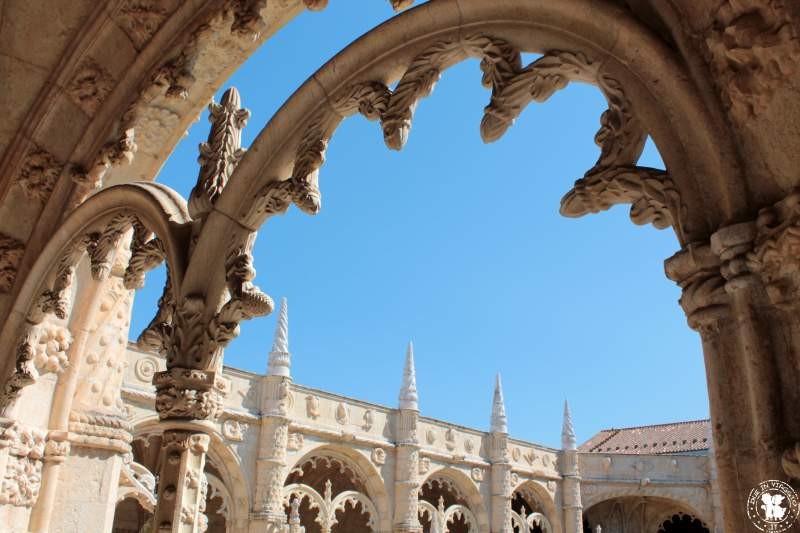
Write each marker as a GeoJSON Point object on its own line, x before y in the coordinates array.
{"type": "Point", "coordinates": [459, 246]}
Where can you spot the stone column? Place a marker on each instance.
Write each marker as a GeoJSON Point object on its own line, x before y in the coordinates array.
{"type": "Point", "coordinates": [571, 480]}
{"type": "Point", "coordinates": [406, 480]}
{"type": "Point", "coordinates": [182, 483]}
{"type": "Point", "coordinates": [740, 292]}
{"type": "Point", "coordinates": [501, 464]}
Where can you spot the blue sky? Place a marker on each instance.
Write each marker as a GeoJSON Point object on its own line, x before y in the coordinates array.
{"type": "Point", "coordinates": [459, 246]}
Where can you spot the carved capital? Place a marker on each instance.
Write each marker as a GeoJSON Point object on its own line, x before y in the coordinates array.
{"type": "Point", "coordinates": [696, 269]}
{"type": "Point", "coordinates": [187, 394]}
{"type": "Point", "coordinates": [732, 244]}
{"type": "Point", "coordinates": [776, 254]}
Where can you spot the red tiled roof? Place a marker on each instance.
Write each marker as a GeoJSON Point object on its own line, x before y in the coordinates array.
{"type": "Point", "coordinates": [677, 437]}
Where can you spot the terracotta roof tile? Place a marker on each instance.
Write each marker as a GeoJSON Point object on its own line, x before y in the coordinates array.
{"type": "Point", "coordinates": [677, 437]}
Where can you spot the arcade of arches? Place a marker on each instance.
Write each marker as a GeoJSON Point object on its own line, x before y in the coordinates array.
{"type": "Point", "coordinates": [100, 435]}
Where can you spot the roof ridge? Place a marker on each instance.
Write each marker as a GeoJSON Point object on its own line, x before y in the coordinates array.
{"type": "Point", "coordinates": [660, 425]}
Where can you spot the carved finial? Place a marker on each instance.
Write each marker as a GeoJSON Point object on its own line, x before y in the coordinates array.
{"type": "Point", "coordinates": [279, 357]}
{"type": "Point", "coordinates": [220, 155]}
{"type": "Point", "coordinates": [499, 420]}
{"type": "Point", "coordinates": [567, 431]}
{"type": "Point", "coordinates": [408, 392]}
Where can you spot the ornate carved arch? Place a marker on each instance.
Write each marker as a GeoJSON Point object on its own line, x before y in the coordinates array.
{"type": "Point", "coordinates": [282, 164]}
{"type": "Point", "coordinates": [467, 490]}
{"type": "Point", "coordinates": [538, 492]}
{"type": "Point", "coordinates": [366, 474]}
{"type": "Point", "coordinates": [676, 498]}
{"type": "Point", "coordinates": [95, 230]}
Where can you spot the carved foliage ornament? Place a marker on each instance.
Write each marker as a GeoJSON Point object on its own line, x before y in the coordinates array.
{"type": "Point", "coordinates": [221, 153]}
{"type": "Point", "coordinates": [11, 251]}
{"type": "Point", "coordinates": [614, 179]}
{"type": "Point", "coordinates": [141, 19]}
{"type": "Point", "coordinates": [752, 50]}
{"type": "Point", "coordinates": [25, 447]}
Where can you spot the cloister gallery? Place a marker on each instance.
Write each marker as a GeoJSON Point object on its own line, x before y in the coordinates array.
{"type": "Point", "coordinates": [101, 434]}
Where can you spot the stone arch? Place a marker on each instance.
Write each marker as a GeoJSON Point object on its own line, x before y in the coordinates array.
{"type": "Point", "coordinates": [365, 470]}
{"type": "Point", "coordinates": [468, 490]}
{"type": "Point", "coordinates": [291, 146]}
{"type": "Point", "coordinates": [675, 496]}
{"type": "Point", "coordinates": [95, 229]}
{"type": "Point", "coordinates": [543, 498]}
{"type": "Point", "coordinates": [226, 462]}
{"type": "Point", "coordinates": [650, 508]}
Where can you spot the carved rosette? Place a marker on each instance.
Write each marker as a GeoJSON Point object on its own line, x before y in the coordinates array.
{"type": "Point", "coordinates": [187, 394]}
{"type": "Point", "coordinates": [38, 174]}
{"type": "Point", "coordinates": [90, 86]}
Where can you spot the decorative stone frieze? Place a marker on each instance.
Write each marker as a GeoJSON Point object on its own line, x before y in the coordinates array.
{"type": "Point", "coordinates": [187, 394]}
{"type": "Point", "coordinates": [23, 449]}
{"type": "Point", "coordinates": [233, 429]}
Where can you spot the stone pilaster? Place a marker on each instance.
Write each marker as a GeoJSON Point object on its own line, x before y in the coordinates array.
{"type": "Point", "coordinates": [501, 483]}
{"type": "Point", "coordinates": [571, 479]}
{"type": "Point", "coordinates": [406, 481]}
{"type": "Point", "coordinates": [501, 464]}
{"type": "Point", "coordinates": [271, 468]}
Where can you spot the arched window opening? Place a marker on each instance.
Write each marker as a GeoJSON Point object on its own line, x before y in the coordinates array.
{"type": "Point", "coordinates": [444, 508]}
{"type": "Point", "coordinates": [326, 494]}
{"type": "Point", "coordinates": [528, 514]}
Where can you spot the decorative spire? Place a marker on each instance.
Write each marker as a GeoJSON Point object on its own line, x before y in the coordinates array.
{"type": "Point", "coordinates": [499, 420]}
{"type": "Point", "coordinates": [408, 392]}
{"type": "Point", "coordinates": [279, 357]}
{"type": "Point", "coordinates": [567, 431]}
{"type": "Point", "coordinates": [221, 153]}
